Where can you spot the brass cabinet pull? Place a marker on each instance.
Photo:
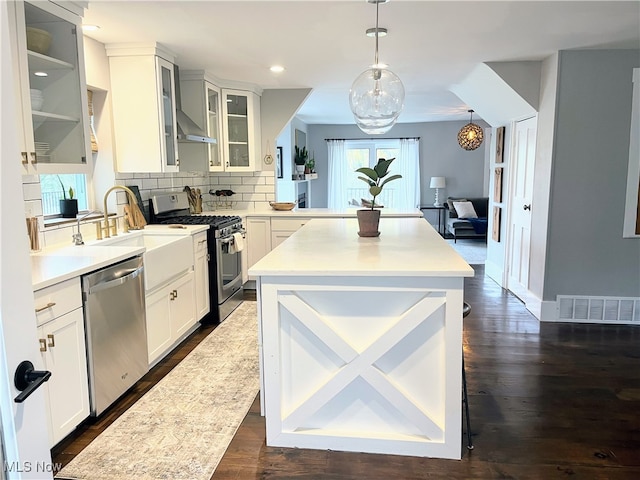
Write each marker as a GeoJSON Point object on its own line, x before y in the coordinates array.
{"type": "Point", "coordinates": [171, 296]}
{"type": "Point", "coordinates": [34, 157]}
{"type": "Point", "coordinates": [25, 158]}
{"type": "Point", "coordinates": [175, 294]}
{"type": "Point", "coordinates": [52, 340]}
{"type": "Point", "coordinates": [48, 305]}
{"type": "Point", "coordinates": [43, 344]}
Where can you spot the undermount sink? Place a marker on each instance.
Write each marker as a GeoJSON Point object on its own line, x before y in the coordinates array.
{"type": "Point", "coordinates": [165, 255]}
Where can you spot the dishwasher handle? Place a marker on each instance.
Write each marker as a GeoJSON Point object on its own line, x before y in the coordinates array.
{"type": "Point", "coordinates": [126, 276]}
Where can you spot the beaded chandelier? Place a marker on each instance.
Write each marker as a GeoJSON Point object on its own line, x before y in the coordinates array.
{"type": "Point", "coordinates": [471, 135]}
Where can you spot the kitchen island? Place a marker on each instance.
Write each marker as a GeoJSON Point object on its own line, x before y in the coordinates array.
{"type": "Point", "coordinates": [361, 339]}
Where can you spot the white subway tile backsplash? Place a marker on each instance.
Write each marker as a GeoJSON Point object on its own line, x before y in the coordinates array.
{"type": "Point", "coordinates": [31, 191]}
{"type": "Point", "coordinates": [149, 184]}
{"type": "Point", "coordinates": [33, 208]}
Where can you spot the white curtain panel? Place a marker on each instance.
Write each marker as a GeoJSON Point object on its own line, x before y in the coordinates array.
{"type": "Point", "coordinates": [337, 188]}
{"type": "Point", "coordinates": [408, 165]}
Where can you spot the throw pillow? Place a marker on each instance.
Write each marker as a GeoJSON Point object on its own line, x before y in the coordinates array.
{"type": "Point", "coordinates": [452, 210]}
{"type": "Point", "coordinates": [465, 210]}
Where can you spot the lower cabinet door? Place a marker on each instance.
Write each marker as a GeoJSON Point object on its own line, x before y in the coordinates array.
{"type": "Point", "coordinates": [158, 323]}
{"type": "Point", "coordinates": [183, 305]}
{"type": "Point", "coordinates": [66, 358]}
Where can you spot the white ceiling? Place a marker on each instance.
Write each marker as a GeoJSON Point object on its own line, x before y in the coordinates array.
{"type": "Point", "coordinates": [322, 43]}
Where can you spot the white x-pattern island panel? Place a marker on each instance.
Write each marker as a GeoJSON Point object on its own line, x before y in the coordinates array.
{"type": "Point", "coordinates": [367, 362]}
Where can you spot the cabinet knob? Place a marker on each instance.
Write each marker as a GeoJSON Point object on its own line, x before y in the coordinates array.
{"type": "Point", "coordinates": [43, 344]}
{"type": "Point", "coordinates": [34, 158]}
{"type": "Point", "coordinates": [527, 207]}
{"type": "Point", "coordinates": [25, 158]}
{"type": "Point", "coordinates": [52, 340]}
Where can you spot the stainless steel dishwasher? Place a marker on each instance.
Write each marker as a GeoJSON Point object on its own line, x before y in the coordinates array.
{"type": "Point", "coordinates": [114, 314]}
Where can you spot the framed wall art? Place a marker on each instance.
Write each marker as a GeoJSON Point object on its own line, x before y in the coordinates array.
{"type": "Point", "coordinates": [499, 144]}
{"type": "Point", "coordinates": [278, 162]}
{"type": "Point", "coordinates": [495, 232]}
{"type": "Point", "coordinates": [497, 185]}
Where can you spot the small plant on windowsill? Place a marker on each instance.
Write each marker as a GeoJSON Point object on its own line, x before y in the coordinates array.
{"type": "Point", "coordinates": [68, 206]}
{"type": "Point", "coordinates": [376, 178]}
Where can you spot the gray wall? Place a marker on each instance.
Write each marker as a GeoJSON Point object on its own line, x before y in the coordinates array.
{"type": "Point", "coordinates": [440, 155]}
{"type": "Point", "coordinates": [586, 254]}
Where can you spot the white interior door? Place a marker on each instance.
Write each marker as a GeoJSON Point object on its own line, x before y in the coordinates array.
{"type": "Point", "coordinates": [521, 192]}
{"type": "Point", "coordinates": [24, 425]}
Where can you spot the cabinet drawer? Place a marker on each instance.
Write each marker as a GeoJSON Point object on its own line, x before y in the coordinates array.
{"type": "Point", "coordinates": [200, 242]}
{"type": "Point", "coordinates": [58, 299]}
{"type": "Point", "coordinates": [288, 224]}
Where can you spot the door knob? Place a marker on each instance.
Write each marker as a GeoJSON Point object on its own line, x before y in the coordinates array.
{"type": "Point", "coordinates": [527, 207]}
{"type": "Point", "coordinates": [27, 380]}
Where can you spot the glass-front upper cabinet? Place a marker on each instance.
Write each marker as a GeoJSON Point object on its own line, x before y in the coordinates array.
{"type": "Point", "coordinates": [200, 103]}
{"type": "Point", "coordinates": [213, 127]}
{"type": "Point", "coordinates": [49, 73]}
{"type": "Point", "coordinates": [168, 113]}
{"type": "Point", "coordinates": [241, 130]}
{"type": "Point", "coordinates": [143, 100]}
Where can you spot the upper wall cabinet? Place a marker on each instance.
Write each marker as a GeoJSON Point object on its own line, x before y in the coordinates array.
{"type": "Point", "coordinates": [200, 101]}
{"type": "Point", "coordinates": [241, 130]}
{"type": "Point", "coordinates": [51, 93]}
{"type": "Point", "coordinates": [143, 102]}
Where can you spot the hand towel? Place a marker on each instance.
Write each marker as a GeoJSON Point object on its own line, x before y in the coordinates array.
{"type": "Point", "coordinates": [238, 242]}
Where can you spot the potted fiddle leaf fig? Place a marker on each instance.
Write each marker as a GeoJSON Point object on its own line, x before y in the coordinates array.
{"type": "Point", "coordinates": [68, 206]}
{"type": "Point", "coordinates": [376, 177]}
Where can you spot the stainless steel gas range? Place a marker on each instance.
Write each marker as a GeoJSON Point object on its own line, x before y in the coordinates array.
{"type": "Point", "coordinates": [224, 240]}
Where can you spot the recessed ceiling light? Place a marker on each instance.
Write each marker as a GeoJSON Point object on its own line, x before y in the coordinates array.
{"type": "Point", "coordinates": [41, 74]}
{"type": "Point", "coordinates": [382, 32]}
{"type": "Point", "coordinates": [90, 28]}
{"type": "Point", "coordinates": [277, 69]}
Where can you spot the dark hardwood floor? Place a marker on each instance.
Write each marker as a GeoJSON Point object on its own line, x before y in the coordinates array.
{"type": "Point", "coordinates": [547, 401]}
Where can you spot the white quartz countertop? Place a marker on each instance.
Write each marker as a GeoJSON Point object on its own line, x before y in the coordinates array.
{"type": "Point", "coordinates": [61, 263]}
{"type": "Point", "coordinates": [49, 268]}
{"type": "Point", "coordinates": [323, 247]}
{"type": "Point", "coordinates": [314, 213]}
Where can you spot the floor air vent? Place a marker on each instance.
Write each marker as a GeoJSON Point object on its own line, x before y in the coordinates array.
{"type": "Point", "coordinates": [598, 309]}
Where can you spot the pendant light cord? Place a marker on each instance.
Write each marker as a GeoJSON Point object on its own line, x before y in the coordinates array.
{"type": "Point", "coordinates": [375, 62]}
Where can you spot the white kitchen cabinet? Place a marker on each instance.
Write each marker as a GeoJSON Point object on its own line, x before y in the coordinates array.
{"type": "Point", "coordinates": [283, 228]}
{"type": "Point", "coordinates": [201, 103]}
{"type": "Point", "coordinates": [54, 127]}
{"type": "Point", "coordinates": [171, 313]}
{"type": "Point", "coordinates": [241, 130]}
{"type": "Point", "coordinates": [143, 104]}
{"type": "Point", "coordinates": [62, 345]}
{"type": "Point", "coordinates": [201, 274]}
{"type": "Point", "coordinates": [258, 239]}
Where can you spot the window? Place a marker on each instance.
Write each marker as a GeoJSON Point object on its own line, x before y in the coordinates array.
{"type": "Point", "coordinates": [52, 191]}
{"type": "Point", "coordinates": [366, 154]}
{"type": "Point", "coordinates": [344, 157]}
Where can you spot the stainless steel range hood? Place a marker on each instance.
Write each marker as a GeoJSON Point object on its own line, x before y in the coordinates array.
{"type": "Point", "coordinates": [188, 130]}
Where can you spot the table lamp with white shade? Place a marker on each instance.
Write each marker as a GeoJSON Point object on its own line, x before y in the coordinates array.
{"type": "Point", "coordinates": [437, 183]}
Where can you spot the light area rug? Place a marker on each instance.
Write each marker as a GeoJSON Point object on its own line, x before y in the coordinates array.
{"type": "Point", "coordinates": [181, 428]}
{"type": "Point", "coordinates": [474, 251]}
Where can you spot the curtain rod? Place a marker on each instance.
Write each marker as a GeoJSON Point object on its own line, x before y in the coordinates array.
{"type": "Point", "coordinates": [352, 139]}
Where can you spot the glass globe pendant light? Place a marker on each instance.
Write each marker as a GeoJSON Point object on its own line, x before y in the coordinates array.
{"type": "Point", "coordinates": [376, 97]}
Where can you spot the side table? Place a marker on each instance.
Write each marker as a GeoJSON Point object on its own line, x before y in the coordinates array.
{"type": "Point", "coordinates": [441, 216]}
